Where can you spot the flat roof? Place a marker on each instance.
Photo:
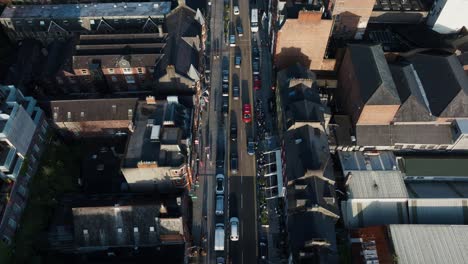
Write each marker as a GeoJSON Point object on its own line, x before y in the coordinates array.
{"type": "Point", "coordinates": [376, 184]}
{"type": "Point", "coordinates": [437, 189]}
{"type": "Point", "coordinates": [379, 161]}
{"type": "Point", "coordinates": [435, 166]}
{"type": "Point", "coordinates": [430, 244]}
{"type": "Point", "coordinates": [136, 9]}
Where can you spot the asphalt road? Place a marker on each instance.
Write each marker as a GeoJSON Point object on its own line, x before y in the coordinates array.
{"type": "Point", "coordinates": [242, 201]}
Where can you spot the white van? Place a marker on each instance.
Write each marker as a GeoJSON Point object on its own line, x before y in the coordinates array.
{"type": "Point", "coordinates": [219, 205]}
{"type": "Point", "coordinates": [219, 237]}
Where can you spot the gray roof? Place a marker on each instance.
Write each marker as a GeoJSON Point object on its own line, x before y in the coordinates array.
{"type": "Point", "coordinates": [297, 71]}
{"type": "Point", "coordinates": [307, 153]}
{"type": "Point", "coordinates": [136, 9]}
{"type": "Point", "coordinates": [376, 184]}
{"type": "Point", "coordinates": [91, 109]}
{"type": "Point", "coordinates": [306, 227]}
{"type": "Point", "coordinates": [430, 244]}
{"type": "Point", "coordinates": [181, 51]}
{"type": "Point", "coordinates": [358, 160]}
{"type": "Point", "coordinates": [437, 189]}
{"type": "Point", "coordinates": [312, 192]}
{"type": "Point", "coordinates": [119, 226]}
{"type": "Point", "coordinates": [445, 83]}
{"type": "Point", "coordinates": [373, 74]}
{"type": "Point", "coordinates": [389, 135]}
{"type": "Point", "coordinates": [414, 102]}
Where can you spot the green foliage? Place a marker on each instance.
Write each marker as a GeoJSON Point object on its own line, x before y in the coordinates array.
{"type": "Point", "coordinates": [57, 174]}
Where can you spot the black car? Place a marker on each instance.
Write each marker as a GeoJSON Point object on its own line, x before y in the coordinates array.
{"type": "Point", "coordinates": [233, 133]}
{"type": "Point", "coordinates": [225, 89]}
{"type": "Point", "coordinates": [225, 107]}
{"type": "Point", "coordinates": [235, 92]}
{"type": "Point", "coordinates": [240, 31]}
{"type": "Point", "coordinates": [255, 51]}
{"type": "Point", "coordinates": [225, 76]}
{"type": "Point", "coordinates": [234, 163]}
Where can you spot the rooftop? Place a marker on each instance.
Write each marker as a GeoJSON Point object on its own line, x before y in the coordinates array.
{"type": "Point", "coordinates": [437, 189]}
{"type": "Point", "coordinates": [430, 244]}
{"type": "Point", "coordinates": [401, 5]}
{"type": "Point", "coordinates": [132, 225]}
{"type": "Point", "coordinates": [136, 9]}
{"type": "Point", "coordinates": [376, 184]}
{"type": "Point", "coordinates": [362, 161]}
{"type": "Point", "coordinates": [435, 166]}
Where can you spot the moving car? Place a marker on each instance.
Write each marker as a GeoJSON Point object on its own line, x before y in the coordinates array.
{"type": "Point", "coordinates": [225, 106]}
{"type": "Point", "coordinates": [250, 147]}
{"type": "Point", "coordinates": [234, 163]}
{"type": "Point", "coordinates": [236, 10]}
{"type": "Point", "coordinates": [220, 184]}
{"type": "Point", "coordinates": [237, 60]}
{"type": "Point", "coordinates": [246, 113]}
{"type": "Point", "coordinates": [220, 260]}
{"type": "Point", "coordinates": [257, 83]}
{"type": "Point", "coordinates": [234, 221]}
{"type": "Point", "coordinates": [235, 92]}
{"type": "Point", "coordinates": [255, 67]}
{"type": "Point", "coordinates": [219, 237]}
{"type": "Point", "coordinates": [233, 132]}
{"type": "Point", "coordinates": [219, 205]}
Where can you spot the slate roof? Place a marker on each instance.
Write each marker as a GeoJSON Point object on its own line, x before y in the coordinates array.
{"type": "Point", "coordinates": [181, 50]}
{"type": "Point", "coordinates": [306, 227]}
{"type": "Point", "coordinates": [118, 226]}
{"type": "Point", "coordinates": [91, 109]}
{"type": "Point", "coordinates": [307, 153]}
{"type": "Point", "coordinates": [297, 71]}
{"type": "Point", "coordinates": [412, 95]}
{"type": "Point", "coordinates": [373, 74]}
{"type": "Point", "coordinates": [445, 83]}
{"type": "Point", "coordinates": [389, 135]}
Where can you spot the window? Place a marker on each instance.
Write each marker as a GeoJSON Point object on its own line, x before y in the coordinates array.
{"type": "Point", "coordinates": [80, 21]}
{"type": "Point", "coordinates": [111, 70]}
{"type": "Point", "coordinates": [12, 223]}
{"type": "Point", "coordinates": [130, 79]}
{"type": "Point", "coordinates": [127, 70]}
{"type": "Point", "coordinates": [68, 116]}
{"type": "Point", "coordinates": [36, 148]}
{"type": "Point", "coordinates": [130, 114]}
{"type": "Point", "coordinates": [91, 22]}
{"type": "Point", "coordinates": [65, 22]}
{"type": "Point", "coordinates": [16, 208]}
{"type": "Point", "coordinates": [140, 71]}
{"type": "Point", "coordinates": [114, 79]}
{"type": "Point", "coordinates": [82, 114]}
{"type": "Point", "coordinates": [84, 71]}
{"type": "Point", "coordinates": [114, 109]}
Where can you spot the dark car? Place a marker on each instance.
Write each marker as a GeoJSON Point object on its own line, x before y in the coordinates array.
{"type": "Point", "coordinates": [225, 89]}
{"type": "Point", "coordinates": [225, 76]}
{"type": "Point", "coordinates": [233, 133]}
{"type": "Point", "coordinates": [240, 31]}
{"type": "Point", "coordinates": [235, 92]}
{"type": "Point", "coordinates": [250, 147]}
{"type": "Point", "coordinates": [234, 164]}
{"type": "Point", "coordinates": [255, 51]}
{"type": "Point", "coordinates": [257, 82]}
{"type": "Point", "coordinates": [255, 67]}
{"type": "Point", "coordinates": [225, 107]}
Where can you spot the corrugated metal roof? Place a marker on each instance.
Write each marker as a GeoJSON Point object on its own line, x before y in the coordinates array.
{"type": "Point", "coordinates": [428, 244]}
{"type": "Point", "coordinates": [438, 211]}
{"type": "Point", "coordinates": [377, 184]}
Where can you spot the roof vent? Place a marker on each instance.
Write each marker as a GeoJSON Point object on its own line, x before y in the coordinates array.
{"type": "Point", "coordinates": [85, 231]}
{"type": "Point", "coordinates": [156, 5]}
{"type": "Point", "coordinates": [135, 230]}
{"type": "Point", "coordinates": [119, 230]}
{"type": "Point", "coordinates": [125, 6]}
{"type": "Point", "coordinates": [139, 4]}
{"type": "Point", "coordinates": [151, 228]}
{"type": "Point", "coordinates": [115, 6]}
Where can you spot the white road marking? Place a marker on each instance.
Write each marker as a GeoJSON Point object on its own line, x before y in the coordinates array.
{"type": "Point", "coordinates": [242, 201]}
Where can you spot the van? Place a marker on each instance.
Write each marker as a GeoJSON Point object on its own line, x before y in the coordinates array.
{"type": "Point", "coordinates": [234, 221]}
{"type": "Point", "coordinates": [219, 237]}
{"type": "Point", "coordinates": [219, 205]}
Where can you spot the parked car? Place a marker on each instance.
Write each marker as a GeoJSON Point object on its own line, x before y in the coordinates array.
{"type": "Point", "coordinates": [250, 147]}
{"type": "Point", "coordinates": [235, 92]}
{"type": "Point", "coordinates": [246, 113]}
{"type": "Point", "coordinates": [255, 51]}
{"type": "Point", "coordinates": [225, 89]}
{"type": "Point", "coordinates": [219, 205]}
{"type": "Point", "coordinates": [220, 184]}
{"type": "Point", "coordinates": [234, 221]}
{"type": "Point", "coordinates": [257, 83]}
{"type": "Point", "coordinates": [263, 248]}
{"type": "Point", "coordinates": [236, 10]}
{"type": "Point", "coordinates": [219, 237]}
{"type": "Point", "coordinates": [220, 260]}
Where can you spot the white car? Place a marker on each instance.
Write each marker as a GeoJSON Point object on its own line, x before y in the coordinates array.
{"type": "Point", "coordinates": [234, 228]}
{"type": "Point", "coordinates": [236, 10]}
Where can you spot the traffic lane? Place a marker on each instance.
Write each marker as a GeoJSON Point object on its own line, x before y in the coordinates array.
{"type": "Point", "coordinates": [244, 250]}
